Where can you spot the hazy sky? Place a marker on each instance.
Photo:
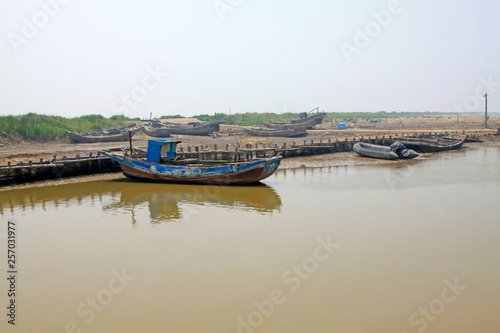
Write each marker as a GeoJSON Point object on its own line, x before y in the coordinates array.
{"type": "Point", "coordinates": [75, 57]}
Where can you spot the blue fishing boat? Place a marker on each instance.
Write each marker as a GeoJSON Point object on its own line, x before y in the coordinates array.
{"type": "Point", "coordinates": [161, 163]}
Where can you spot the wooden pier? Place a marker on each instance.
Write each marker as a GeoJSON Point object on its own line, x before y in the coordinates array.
{"type": "Point", "coordinates": [94, 163]}
{"type": "Point", "coordinates": [56, 168]}
{"type": "Point", "coordinates": [295, 149]}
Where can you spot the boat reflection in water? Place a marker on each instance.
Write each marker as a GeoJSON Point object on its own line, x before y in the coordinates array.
{"type": "Point", "coordinates": [166, 202]}
{"type": "Point", "coordinates": [169, 202]}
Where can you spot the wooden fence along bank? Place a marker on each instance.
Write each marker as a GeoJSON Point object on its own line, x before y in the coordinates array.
{"type": "Point", "coordinates": [94, 163]}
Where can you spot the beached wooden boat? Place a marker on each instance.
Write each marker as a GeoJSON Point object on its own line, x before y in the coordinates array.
{"type": "Point", "coordinates": [158, 132]}
{"type": "Point", "coordinates": [162, 164]}
{"type": "Point", "coordinates": [392, 152]}
{"type": "Point", "coordinates": [306, 122]}
{"type": "Point", "coordinates": [442, 143]}
{"type": "Point", "coordinates": [195, 128]}
{"type": "Point", "coordinates": [111, 135]}
{"type": "Point", "coordinates": [283, 132]}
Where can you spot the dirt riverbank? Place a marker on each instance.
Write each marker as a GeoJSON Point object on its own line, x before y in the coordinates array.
{"type": "Point", "coordinates": [25, 151]}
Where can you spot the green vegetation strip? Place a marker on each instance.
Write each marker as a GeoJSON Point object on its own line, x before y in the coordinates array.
{"type": "Point", "coordinates": [34, 126]}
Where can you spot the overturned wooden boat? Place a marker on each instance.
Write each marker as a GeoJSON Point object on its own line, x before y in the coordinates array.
{"type": "Point", "coordinates": [282, 132]}
{"type": "Point", "coordinates": [195, 128]}
{"type": "Point", "coordinates": [392, 152]}
{"type": "Point", "coordinates": [432, 145]}
{"type": "Point", "coordinates": [158, 132]}
{"type": "Point", "coordinates": [111, 135]}
{"type": "Point", "coordinates": [161, 163]}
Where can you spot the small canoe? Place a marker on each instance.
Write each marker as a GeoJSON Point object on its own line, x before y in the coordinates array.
{"type": "Point", "coordinates": [392, 152]}
{"type": "Point", "coordinates": [162, 164]}
{"type": "Point", "coordinates": [423, 145]}
{"type": "Point", "coordinates": [111, 135]}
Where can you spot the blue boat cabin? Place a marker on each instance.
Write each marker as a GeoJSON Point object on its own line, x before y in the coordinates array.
{"type": "Point", "coordinates": [159, 149]}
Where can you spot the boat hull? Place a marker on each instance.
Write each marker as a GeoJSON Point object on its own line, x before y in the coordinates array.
{"type": "Point", "coordinates": [428, 146]}
{"type": "Point", "coordinates": [307, 123]}
{"type": "Point", "coordinates": [112, 135]}
{"type": "Point", "coordinates": [236, 173]}
{"type": "Point", "coordinates": [77, 137]}
{"type": "Point", "coordinates": [158, 132]}
{"type": "Point", "coordinates": [196, 129]}
{"type": "Point", "coordinates": [292, 132]}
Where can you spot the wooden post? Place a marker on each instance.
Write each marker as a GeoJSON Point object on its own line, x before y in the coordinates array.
{"type": "Point", "coordinates": [30, 163]}
{"type": "Point", "coordinates": [130, 140]}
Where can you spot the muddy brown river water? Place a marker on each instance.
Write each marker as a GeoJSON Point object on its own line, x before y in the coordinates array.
{"type": "Point", "coordinates": [323, 245]}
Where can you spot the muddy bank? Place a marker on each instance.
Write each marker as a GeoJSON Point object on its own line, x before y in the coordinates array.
{"type": "Point", "coordinates": [315, 161]}
{"type": "Point", "coordinates": [229, 135]}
